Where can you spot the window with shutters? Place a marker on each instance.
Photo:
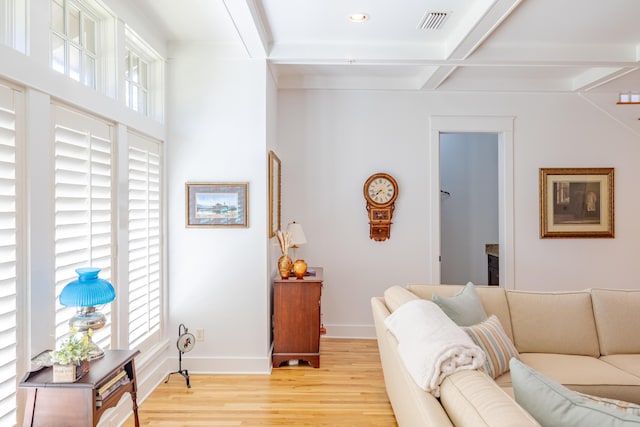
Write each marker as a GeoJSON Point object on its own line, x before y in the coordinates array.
{"type": "Point", "coordinates": [145, 240]}
{"type": "Point", "coordinates": [9, 254]}
{"type": "Point", "coordinates": [83, 207]}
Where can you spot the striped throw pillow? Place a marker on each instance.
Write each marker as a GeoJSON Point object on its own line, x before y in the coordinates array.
{"type": "Point", "coordinates": [498, 348]}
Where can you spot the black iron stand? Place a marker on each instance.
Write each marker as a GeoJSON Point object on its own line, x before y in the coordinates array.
{"type": "Point", "coordinates": [182, 331]}
{"type": "Point", "coordinates": [183, 372]}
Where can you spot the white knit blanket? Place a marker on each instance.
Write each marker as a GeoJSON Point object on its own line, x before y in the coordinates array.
{"type": "Point", "coordinates": [431, 345]}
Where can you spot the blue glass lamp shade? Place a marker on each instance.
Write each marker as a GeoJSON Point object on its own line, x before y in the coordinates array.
{"type": "Point", "coordinates": [87, 290]}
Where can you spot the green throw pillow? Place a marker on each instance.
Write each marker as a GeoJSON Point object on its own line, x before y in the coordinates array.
{"type": "Point", "coordinates": [552, 404]}
{"type": "Point", "coordinates": [464, 308]}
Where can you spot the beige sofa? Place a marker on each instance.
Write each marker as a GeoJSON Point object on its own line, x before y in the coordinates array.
{"type": "Point", "coordinates": [587, 340]}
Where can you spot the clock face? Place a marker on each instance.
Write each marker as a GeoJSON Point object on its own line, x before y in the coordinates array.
{"type": "Point", "coordinates": [381, 190]}
{"type": "Point", "coordinates": [186, 342]}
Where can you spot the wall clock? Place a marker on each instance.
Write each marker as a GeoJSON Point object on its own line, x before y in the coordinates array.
{"type": "Point", "coordinates": [380, 193]}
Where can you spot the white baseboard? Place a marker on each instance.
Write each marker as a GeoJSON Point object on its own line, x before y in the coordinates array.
{"type": "Point", "coordinates": [223, 365]}
{"type": "Point", "coordinates": [350, 331]}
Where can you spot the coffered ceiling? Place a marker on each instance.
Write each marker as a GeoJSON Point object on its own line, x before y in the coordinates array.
{"type": "Point", "coordinates": [481, 45]}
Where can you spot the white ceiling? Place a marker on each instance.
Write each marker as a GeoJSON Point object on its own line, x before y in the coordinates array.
{"type": "Point", "coordinates": [483, 45]}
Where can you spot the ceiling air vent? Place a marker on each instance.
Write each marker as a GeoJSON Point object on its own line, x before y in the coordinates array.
{"type": "Point", "coordinates": [433, 20]}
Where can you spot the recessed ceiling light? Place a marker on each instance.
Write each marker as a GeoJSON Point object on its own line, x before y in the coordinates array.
{"type": "Point", "coordinates": [358, 17]}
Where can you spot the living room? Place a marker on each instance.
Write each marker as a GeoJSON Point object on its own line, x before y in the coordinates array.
{"type": "Point", "coordinates": [227, 106]}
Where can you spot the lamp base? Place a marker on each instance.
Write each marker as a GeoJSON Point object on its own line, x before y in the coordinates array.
{"type": "Point", "coordinates": [96, 352]}
{"type": "Point", "coordinates": [87, 318]}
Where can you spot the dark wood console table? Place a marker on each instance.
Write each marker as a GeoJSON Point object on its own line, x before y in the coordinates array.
{"type": "Point", "coordinates": [82, 403]}
{"type": "Point", "coordinates": [296, 319]}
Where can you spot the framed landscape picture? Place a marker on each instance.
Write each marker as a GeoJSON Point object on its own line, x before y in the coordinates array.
{"type": "Point", "coordinates": [217, 204]}
{"type": "Point", "coordinates": [576, 202]}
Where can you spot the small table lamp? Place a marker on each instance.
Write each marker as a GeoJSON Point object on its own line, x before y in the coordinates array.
{"type": "Point", "coordinates": [86, 292]}
{"type": "Point", "coordinates": [297, 236]}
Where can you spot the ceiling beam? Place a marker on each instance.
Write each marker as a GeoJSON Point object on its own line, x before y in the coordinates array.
{"type": "Point", "coordinates": [250, 27]}
{"type": "Point", "coordinates": [466, 43]}
{"type": "Point", "coordinates": [594, 77]}
{"type": "Point", "coordinates": [435, 79]}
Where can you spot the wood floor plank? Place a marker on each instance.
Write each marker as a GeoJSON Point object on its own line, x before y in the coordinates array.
{"type": "Point", "coordinates": [347, 390]}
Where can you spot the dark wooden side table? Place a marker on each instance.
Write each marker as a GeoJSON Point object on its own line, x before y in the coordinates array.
{"type": "Point", "coordinates": [80, 404]}
{"type": "Point", "coordinates": [296, 319]}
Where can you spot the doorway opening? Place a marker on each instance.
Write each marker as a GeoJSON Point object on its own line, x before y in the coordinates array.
{"type": "Point", "coordinates": [469, 228]}
{"type": "Point", "coordinates": [502, 127]}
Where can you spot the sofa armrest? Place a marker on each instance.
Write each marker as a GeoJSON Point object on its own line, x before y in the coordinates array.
{"type": "Point", "coordinates": [471, 398]}
{"type": "Point", "coordinates": [395, 296]}
{"type": "Point", "coordinates": [411, 405]}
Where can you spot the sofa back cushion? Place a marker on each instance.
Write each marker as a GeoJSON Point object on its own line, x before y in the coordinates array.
{"type": "Point", "coordinates": [553, 322]}
{"type": "Point", "coordinates": [493, 299]}
{"type": "Point", "coordinates": [617, 315]}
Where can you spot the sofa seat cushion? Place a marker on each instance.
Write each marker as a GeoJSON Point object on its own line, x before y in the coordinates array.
{"type": "Point", "coordinates": [627, 362]}
{"type": "Point", "coordinates": [585, 374]}
{"type": "Point", "coordinates": [553, 322]}
{"type": "Point", "coordinates": [617, 318]}
{"type": "Point", "coordinates": [555, 405]}
{"type": "Point", "coordinates": [471, 398]}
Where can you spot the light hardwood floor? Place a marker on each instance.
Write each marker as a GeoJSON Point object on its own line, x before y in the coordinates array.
{"type": "Point", "coordinates": [347, 390]}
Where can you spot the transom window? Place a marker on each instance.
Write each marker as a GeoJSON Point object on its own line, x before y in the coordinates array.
{"type": "Point", "coordinates": [137, 83]}
{"type": "Point", "coordinates": [144, 77]}
{"type": "Point", "coordinates": [13, 24]}
{"type": "Point", "coordinates": [75, 42]}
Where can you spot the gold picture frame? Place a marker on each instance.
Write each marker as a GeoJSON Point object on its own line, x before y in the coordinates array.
{"type": "Point", "coordinates": [275, 184]}
{"type": "Point", "coordinates": [577, 202]}
{"type": "Point", "coordinates": [211, 205]}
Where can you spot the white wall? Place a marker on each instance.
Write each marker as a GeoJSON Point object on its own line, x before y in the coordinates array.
{"type": "Point", "coordinates": [331, 141]}
{"type": "Point", "coordinates": [218, 278]}
{"type": "Point", "coordinates": [469, 214]}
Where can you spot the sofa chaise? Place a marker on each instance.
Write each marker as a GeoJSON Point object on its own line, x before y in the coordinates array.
{"type": "Point", "coordinates": [587, 341]}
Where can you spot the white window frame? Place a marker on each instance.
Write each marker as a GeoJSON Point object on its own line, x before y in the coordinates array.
{"type": "Point", "coordinates": [13, 24]}
{"type": "Point", "coordinates": [105, 41]}
{"type": "Point", "coordinates": [154, 89]}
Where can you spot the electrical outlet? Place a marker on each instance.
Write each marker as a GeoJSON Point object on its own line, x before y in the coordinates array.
{"type": "Point", "coordinates": [199, 334]}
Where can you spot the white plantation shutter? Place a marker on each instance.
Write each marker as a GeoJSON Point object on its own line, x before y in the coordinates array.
{"type": "Point", "coordinates": [83, 219]}
{"type": "Point", "coordinates": [145, 225]}
{"type": "Point", "coordinates": [8, 257]}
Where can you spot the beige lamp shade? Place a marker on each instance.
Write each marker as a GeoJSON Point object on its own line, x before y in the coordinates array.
{"type": "Point", "coordinates": [297, 234]}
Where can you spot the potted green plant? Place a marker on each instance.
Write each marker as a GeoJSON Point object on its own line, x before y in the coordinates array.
{"type": "Point", "coordinates": [71, 360]}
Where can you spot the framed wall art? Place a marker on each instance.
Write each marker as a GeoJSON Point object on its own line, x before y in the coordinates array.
{"type": "Point", "coordinates": [275, 183]}
{"type": "Point", "coordinates": [576, 202]}
{"type": "Point", "coordinates": [217, 204]}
